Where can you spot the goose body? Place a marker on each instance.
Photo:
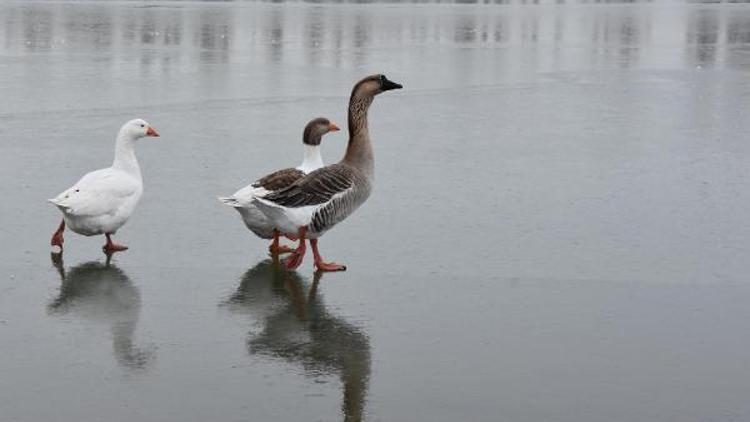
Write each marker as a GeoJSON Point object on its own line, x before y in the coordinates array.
{"type": "Point", "coordinates": [318, 201]}
{"type": "Point", "coordinates": [103, 200]}
{"type": "Point", "coordinates": [244, 199]}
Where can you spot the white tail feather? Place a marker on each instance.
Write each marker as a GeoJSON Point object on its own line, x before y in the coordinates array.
{"type": "Point", "coordinates": [230, 200]}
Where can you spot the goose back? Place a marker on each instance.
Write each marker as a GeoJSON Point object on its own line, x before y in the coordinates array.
{"type": "Point", "coordinates": [279, 179]}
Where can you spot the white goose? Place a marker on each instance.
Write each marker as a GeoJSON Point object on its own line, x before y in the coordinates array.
{"type": "Point", "coordinates": [242, 200]}
{"type": "Point", "coordinates": [103, 200]}
{"type": "Point", "coordinates": [315, 203]}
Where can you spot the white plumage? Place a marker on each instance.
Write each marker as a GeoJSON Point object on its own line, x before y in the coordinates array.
{"type": "Point", "coordinates": [288, 220]}
{"type": "Point", "coordinates": [103, 200]}
{"type": "Point", "coordinates": [254, 220]}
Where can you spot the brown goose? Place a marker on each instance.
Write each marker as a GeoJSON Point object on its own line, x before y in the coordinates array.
{"type": "Point", "coordinates": [243, 198]}
{"type": "Point", "coordinates": [315, 203]}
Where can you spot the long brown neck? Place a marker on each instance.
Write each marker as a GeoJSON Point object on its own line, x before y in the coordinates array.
{"type": "Point", "coordinates": [359, 150]}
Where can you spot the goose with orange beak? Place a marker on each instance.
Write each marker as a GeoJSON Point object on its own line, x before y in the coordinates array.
{"type": "Point", "coordinates": [243, 199]}
{"type": "Point", "coordinates": [103, 200]}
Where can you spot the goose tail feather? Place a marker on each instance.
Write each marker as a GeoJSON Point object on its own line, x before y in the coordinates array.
{"type": "Point", "coordinates": [230, 200]}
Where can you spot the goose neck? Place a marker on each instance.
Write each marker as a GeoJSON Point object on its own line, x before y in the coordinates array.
{"type": "Point", "coordinates": [312, 159]}
{"type": "Point", "coordinates": [359, 150]}
{"type": "Point", "coordinates": [125, 158]}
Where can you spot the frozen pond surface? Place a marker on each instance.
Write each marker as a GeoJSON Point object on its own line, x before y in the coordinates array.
{"type": "Point", "coordinates": [558, 231]}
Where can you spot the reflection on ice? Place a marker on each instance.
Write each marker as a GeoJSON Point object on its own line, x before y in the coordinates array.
{"type": "Point", "coordinates": [318, 36]}
{"type": "Point", "coordinates": [102, 293]}
{"type": "Point", "coordinates": [298, 329]}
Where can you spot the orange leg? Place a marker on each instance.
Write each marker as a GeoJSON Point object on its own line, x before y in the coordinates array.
{"type": "Point", "coordinates": [57, 238]}
{"type": "Point", "coordinates": [111, 246]}
{"type": "Point", "coordinates": [276, 248]}
{"type": "Point", "coordinates": [295, 259]}
{"type": "Point", "coordinates": [320, 264]}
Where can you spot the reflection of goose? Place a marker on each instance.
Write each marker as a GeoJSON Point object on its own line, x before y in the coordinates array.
{"type": "Point", "coordinates": [298, 329]}
{"type": "Point", "coordinates": [103, 293]}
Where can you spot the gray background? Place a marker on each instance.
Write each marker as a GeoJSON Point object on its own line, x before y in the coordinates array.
{"type": "Point", "coordinates": [557, 231]}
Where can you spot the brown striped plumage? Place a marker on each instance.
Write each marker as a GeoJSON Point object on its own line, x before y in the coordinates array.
{"type": "Point", "coordinates": [317, 188]}
{"type": "Point", "coordinates": [279, 179]}
{"type": "Point", "coordinates": [340, 187]}
{"type": "Point", "coordinates": [341, 206]}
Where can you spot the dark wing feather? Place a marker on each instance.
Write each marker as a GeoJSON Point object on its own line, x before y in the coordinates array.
{"type": "Point", "coordinates": [316, 188]}
{"type": "Point", "coordinates": [279, 179]}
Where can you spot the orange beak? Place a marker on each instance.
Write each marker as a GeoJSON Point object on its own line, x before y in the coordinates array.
{"type": "Point", "coordinates": [333, 128]}
{"type": "Point", "coordinates": [151, 132]}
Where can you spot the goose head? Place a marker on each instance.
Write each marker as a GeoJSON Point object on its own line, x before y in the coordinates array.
{"type": "Point", "coordinates": [374, 85]}
{"type": "Point", "coordinates": [137, 128]}
{"type": "Point", "coordinates": [315, 130]}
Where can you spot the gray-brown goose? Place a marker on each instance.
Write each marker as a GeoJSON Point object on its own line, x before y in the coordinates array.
{"type": "Point", "coordinates": [242, 200]}
{"type": "Point", "coordinates": [315, 203]}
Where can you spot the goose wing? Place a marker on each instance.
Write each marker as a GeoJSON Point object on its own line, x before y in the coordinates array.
{"type": "Point", "coordinates": [318, 187]}
{"type": "Point", "coordinates": [279, 179]}
{"type": "Point", "coordinates": [320, 200]}
{"type": "Point", "coordinates": [97, 193]}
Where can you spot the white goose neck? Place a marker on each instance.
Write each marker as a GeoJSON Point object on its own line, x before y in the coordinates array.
{"type": "Point", "coordinates": [125, 159]}
{"type": "Point", "coordinates": [312, 160]}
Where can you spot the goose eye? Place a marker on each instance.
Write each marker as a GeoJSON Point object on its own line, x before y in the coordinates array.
{"type": "Point", "coordinates": [143, 125]}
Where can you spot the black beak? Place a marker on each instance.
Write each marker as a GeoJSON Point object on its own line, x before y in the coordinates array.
{"type": "Point", "coordinates": [387, 85]}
